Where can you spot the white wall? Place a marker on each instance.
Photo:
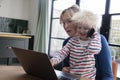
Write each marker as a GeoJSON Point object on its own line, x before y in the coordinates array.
{"type": "Point", "coordinates": [33, 11]}
{"type": "Point", "coordinates": [21, 9]}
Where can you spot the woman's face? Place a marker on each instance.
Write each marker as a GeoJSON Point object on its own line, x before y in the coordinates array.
{"type": "Point", "coordinates": [68, 25]}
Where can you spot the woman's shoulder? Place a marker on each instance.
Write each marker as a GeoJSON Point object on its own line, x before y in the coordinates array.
{"type": "Point", "coordinates": [66, 40]}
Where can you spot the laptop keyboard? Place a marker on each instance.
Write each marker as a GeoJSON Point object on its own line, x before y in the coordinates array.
{"type": "Point", "coordinates": [64, 78]}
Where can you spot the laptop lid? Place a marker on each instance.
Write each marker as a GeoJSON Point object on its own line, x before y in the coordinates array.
{"type": "Point", "coordinates": [35, 63]}
{"type": "Point", "coordinates": [38, 64]}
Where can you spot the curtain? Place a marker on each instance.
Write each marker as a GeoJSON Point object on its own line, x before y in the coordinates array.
{"type": "Point", "coordinates": [42, 30]}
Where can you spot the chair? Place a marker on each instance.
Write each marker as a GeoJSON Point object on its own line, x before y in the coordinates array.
{"type": "Point", "coordinates": [114, 69]}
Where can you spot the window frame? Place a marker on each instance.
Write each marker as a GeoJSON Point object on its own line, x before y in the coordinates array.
{"type": "Point", "coordinates": [105, 24]}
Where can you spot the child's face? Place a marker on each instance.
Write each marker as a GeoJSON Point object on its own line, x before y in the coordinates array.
{"type": "Point", "coordinates": [82, 31]}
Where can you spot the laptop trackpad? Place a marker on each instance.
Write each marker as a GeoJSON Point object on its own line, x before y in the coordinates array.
{"type": "Point", "coordinates": [65, 76]}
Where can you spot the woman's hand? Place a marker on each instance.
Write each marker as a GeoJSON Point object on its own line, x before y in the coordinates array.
{"type": "Point", "coordinates": [83, 78]}
{"type": "Point", "coordinates": [66, 69]}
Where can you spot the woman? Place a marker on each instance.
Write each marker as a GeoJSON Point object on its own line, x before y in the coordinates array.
{"type": "Point", "coordinates": [103, 59]}
{"type": "Point", "coordinates": [81, 47]}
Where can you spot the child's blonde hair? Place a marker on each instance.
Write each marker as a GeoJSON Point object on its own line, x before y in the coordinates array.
{"type": "Point", "coordinates": [85, 18]}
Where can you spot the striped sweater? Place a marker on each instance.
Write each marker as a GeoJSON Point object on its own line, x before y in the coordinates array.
{"type": "Point", "coordinates": [82, 61]}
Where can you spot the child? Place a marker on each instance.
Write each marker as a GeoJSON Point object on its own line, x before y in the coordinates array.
{"type": "Point", "coordinates": [82, 47]}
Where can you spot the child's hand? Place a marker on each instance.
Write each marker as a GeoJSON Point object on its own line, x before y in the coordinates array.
{"type": "Point", "coordinates": [53, 61]}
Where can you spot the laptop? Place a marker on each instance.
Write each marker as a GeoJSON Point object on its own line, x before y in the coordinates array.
{"type": "Point", "coordinates": [38, 64]}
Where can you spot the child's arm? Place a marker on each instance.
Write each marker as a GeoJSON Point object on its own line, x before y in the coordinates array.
{"type": "Point", "coordinates": [60, 56]}
{"type": "Point", "coordinates": [94, 46]}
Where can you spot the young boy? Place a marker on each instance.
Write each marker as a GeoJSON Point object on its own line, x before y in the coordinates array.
{"type": "Point", "coordinates": [82, 47]}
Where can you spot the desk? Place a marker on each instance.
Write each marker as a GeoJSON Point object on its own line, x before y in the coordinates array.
{"type": "Point", "coordinates": [12, 39]}
{"type": "Point", "coordinates": [14, 72]}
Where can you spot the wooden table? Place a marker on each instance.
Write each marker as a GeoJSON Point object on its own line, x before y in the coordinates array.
{"type": "Point", "coordinates": [14, 72]}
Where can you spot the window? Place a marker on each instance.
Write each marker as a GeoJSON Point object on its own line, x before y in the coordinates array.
{"type": "Point", "coordinates": [114, 6]}
{"type": "Point", "coordinates": [115, 30]}
{"type": "Point", "coordinates": [114, 34]}
{"type": "Point", "coordinates": [60, 5]}
{"type": "Point", "coordinates": [57, 32]}
{"type": "Point", "coordinates": [109, 30]}
{"type": "Point", "coordinates": [114, 38]}
{"type": "Point", "coordinates": [90, 5]}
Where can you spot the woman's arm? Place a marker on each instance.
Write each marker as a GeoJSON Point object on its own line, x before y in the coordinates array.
{"type": "Point", "coordinates": [104, 62]}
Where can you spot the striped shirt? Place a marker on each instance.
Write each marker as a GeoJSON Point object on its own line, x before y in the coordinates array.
{"type": "Point", "coordinates": [82, 61]}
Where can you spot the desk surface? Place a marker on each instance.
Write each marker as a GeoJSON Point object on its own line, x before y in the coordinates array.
{"type": "Point", "coordinates": [15, 73]}
{"type": "Point", "coordinates": [13, 35]}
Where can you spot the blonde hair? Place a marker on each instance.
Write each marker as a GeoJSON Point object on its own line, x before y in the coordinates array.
{"type": "Point", "coordinates": [85, 18]}
{"type": "Point", "coordinates": [71, 10]}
